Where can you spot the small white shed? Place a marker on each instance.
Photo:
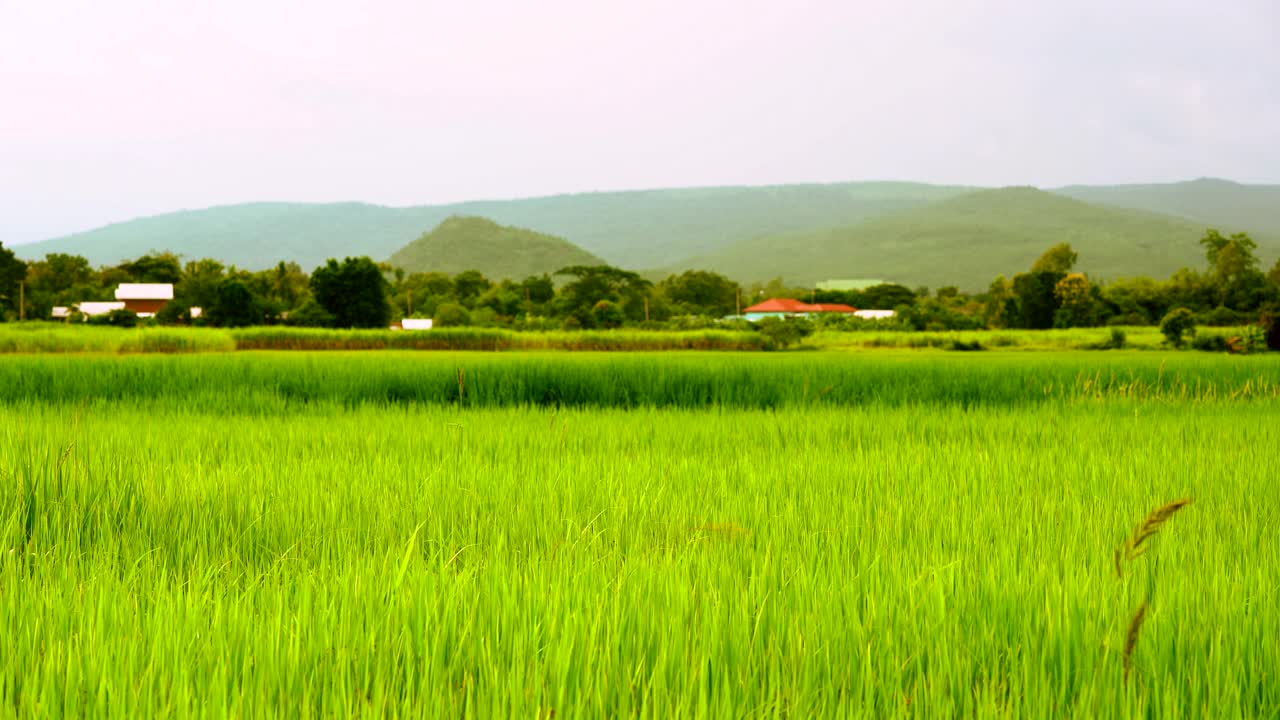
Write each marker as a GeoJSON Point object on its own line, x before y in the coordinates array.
{"type": "Point", "coordinates": [98, 308]}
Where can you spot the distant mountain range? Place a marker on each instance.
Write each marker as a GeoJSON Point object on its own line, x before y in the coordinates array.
{"type": "Point", "coordinates": [967, 240]}
{"type": "Point", "coordinates": [907, 232]}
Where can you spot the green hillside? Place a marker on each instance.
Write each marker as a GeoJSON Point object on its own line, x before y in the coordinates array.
{"type": "Point", "coordinates": [905, 231]}
{"type": "Point", "coordinates": [970, 239]}
{"type": "Point", "coordinates": [631, 229]}
{"type": "Point", "coordinates": [252, 236]}
{"type": "Point", "coordinates": [1251, 208]}
{"type": "Point", "coordinates": [499, 251]}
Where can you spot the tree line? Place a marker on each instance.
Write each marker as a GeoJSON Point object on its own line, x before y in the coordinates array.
{"type": "Point", "coordinates": [359, 293]}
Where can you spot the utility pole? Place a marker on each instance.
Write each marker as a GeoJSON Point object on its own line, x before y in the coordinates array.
{"type": "Point", "coordinates": [22, 301]}
{"type": "Point", "coordinates": [410, 295]}
{"type": "Point", "coordinates": [738, 301]}
{"type": "Point", "coordinates": [646, 308]}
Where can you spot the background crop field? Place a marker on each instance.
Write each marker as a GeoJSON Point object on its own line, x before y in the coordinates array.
{"type": "Point", "coordinates": [704, 535]}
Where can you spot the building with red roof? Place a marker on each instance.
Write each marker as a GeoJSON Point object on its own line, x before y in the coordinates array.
{"type": "Point", "coordinates": [786, 307]}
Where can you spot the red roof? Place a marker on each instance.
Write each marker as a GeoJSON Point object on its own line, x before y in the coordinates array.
{"type": "Point", "coordinates": [787, 305]}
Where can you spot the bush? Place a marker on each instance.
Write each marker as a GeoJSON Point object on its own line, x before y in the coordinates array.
{"type": "Point", "coordinates": [116, 318]}
{"type": "Point", "coordinates": [1271, 328]}
{"type": "Point", "coordinates": [962, 346]}
{"type": "Point", "coordinates": [607, 314]}
{"type": "Point", "coordinates": [1221, 317]}
{"type": "Point", "coordinates": [1210, 342]}
{"type": "Point", "coordinates": [1177, 325]}
{"type": "Point", "coordinates": [1250, 340]}
{"type": "Point", "coordinates": [451, 315]}
{"type": "Point", "coordinates": [234, 305]}
{"type": "Point", "coordinates": [174, 312]}
{"type": "Point", "coordinates": [784, 332]}
{"type": "Point", "coordinates": [1132, 318]}
{"type": "Point", "coordinates": [353, 292]}
{"type": "Point", "coordinates": [311, 314]}
{"type": "Point", "coordinates": [1116, 340]}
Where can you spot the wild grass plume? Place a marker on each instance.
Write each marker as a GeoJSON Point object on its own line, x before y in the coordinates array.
{"type": "Point", "coordinates": [1131, 637]}
{"type": "Point", "coordinates": [1136, 545]}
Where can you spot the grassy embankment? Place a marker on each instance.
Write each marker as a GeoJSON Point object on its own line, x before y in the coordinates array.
{"type": "Point", "coordinates": [52, 338]}
{"type": "Point", "coordinates": [266, 380]}
{"type": "Point", "coordinates": [801, 535]}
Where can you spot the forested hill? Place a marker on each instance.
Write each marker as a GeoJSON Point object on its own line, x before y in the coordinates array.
{"type": "Point", "coordinates": [906, 232]}
{"type": "Point", "coordinates": [498, 251]}
{"type": "Point", "coordinates": [636, 229]}
{"type": "Point", "coordinates": [968, 240]}
{"type": "Point", "coordinates": [1209, 202]}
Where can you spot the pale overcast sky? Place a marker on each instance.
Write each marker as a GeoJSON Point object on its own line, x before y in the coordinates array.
{"type": "Point", "coordinates": [111, 110]}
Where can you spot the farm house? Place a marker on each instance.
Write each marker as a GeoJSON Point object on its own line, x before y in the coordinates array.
{"type": "Point", "coordinates": [786, 307]}
{"type": "Point", "coordinates": [145, 299]}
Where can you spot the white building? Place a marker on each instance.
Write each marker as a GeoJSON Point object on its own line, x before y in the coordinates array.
{"type": "Point", "coordinates": [874, 314]}
{"type": "Point", "coordinates": [89, 309]}
{"type": "Point", "coordinates": [146, 299]}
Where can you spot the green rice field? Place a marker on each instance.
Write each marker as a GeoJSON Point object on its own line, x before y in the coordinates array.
{"type": "Point", "coordinates": [692, 535]}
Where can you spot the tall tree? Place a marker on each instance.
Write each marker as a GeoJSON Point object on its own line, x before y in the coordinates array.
{"type": "Point", "coordinates": [1060, 258]}
{"type": "Point", "coordinates": [594, 283]}
{"type": "Point", "coordinates": [1075, 302]}
{"type": "Point", "coordinates": [234, 305]}
{"type": "Point", "coordinates": [155, 267]}
{"type": "Point", "coordinates": [354, 292]}
{"type": "Point", "coordinates": [1037, 302]}
{"type": "Point", "coordinates": [701, 293]}
{"type": "Point", "coordinates": [996, 310]}
{"type": "Point", "coordinates": [201, 280]}
{"type": "Point", "coordinates": [1229, 256]}
{"type": "Point", "coordinates": [1234, 267]}
{"type": "Point", "coordinates": [13, 272]}
{"type": "Point", "coordinates": [469, 285]}
{"type": "Point", "coordinates": [888, 296]}
{"type": "Point", "coordinates": [59, 272]}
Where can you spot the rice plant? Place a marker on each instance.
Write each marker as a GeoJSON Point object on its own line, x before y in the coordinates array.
{"type": "Point", "coordinates": [695, 535]}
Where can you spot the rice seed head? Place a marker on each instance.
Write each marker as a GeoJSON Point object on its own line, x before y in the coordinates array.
{"type": "Point", "coordinates": [1136, 545]}
{"type": "Point", "coordinates": [1131, 639]}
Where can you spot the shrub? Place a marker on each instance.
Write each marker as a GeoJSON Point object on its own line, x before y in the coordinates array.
{"type": "Point", "coordinates": [1177, 325]}
{"type": "Point", "coordinates": [116, 318]}
{"type": "Point", "coordinates": [607, 314]}
{"type": "Point", "coordinates": [451, 315]}
{"type": "Point", "coordinates": [1220, 317]}
{"type": "Point", "coordinates": [1210, 342]}
{"type": "Point", "coordinates": [311, 314]}
{"type": "Point", "coordinates": [234, 305]}
{"type": "Point", "coordinates": [784, 332]}
{"type": "Point", "coordinates": [963, 346]}
{"type": "Point", "coordinates": [1132, 318]}
{"type": "Point", "coordinates": [354, 293]}
{"type": "Point", "coordinates": [174, 312]}
{"type": "Point", "coordinates": [1271, 327]}
{"type": "Point", "coordinates": [1116, 340]}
